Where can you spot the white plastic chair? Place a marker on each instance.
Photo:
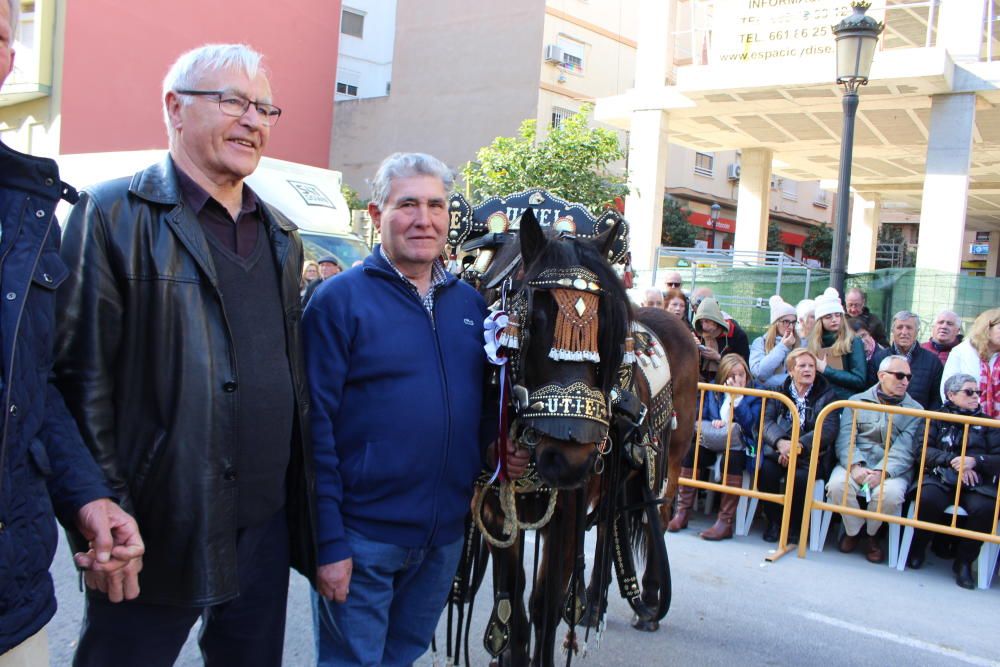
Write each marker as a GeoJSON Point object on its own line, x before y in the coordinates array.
{"type": "Point", "coordinates": [986, 564]}
{"type": "Point", "coordinates": [817, 539]}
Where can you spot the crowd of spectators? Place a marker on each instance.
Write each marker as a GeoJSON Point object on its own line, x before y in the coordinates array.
{"type": "Point", "coordinates": [823, 350]}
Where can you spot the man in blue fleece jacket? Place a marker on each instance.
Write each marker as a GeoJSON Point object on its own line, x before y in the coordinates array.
{"type": "Point", "coordinates": [396, 366]}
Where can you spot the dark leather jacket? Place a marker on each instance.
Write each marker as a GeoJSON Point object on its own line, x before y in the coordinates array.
{"type": "Point", "coordinates": [778, 425]}
{"type": "Point", "coordinates": [944, 442]}
{"type": "Point", "coordinates": [146, 362]}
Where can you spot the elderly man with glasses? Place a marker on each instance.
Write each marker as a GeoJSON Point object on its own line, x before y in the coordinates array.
{"type": "Point", "coordinates": [180, 357]}
{"type": "Point", "coordinates": [925, 366]}
{"type": "Point", "coordinates": [874, 463]}
{"type": "Point", "coordinates": [673, 280]}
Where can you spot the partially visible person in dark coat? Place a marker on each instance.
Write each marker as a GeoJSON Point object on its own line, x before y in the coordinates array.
{"type": "Point", "coordinates": [856, 302]}
{"type": "Point", "coordinates": [45, 469]}
{"type": "Point", "coordinates": [946, 333]}
{"type": "Point", "coordinates": [926, 367]}
{"type": "Point", "coordinates": [811, 393]}
{"type": "Point", "coordinates": [942, 467]}
{"type": "Point", "coordinates": [180, 358]}
{"type": "Point", "coordinates": [328, 268]}
{"type": "Point", "coordinates": [874, 353]}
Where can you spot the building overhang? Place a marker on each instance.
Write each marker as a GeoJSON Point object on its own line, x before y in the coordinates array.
{"type": "Point", "coordinates": [795, 110]}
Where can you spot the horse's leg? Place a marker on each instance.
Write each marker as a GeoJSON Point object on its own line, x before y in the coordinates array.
{"type": "Point", "coordinates": [553, 578]}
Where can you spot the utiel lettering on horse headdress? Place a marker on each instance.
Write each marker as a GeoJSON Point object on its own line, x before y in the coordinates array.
{"type": "Point", "coordinates": [575, 336]}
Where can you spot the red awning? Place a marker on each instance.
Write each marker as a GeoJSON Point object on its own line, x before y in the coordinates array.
{"type": "Point", "coordinates": [797, 240]}
{"type": "Point", "coordinates": [702, 220]}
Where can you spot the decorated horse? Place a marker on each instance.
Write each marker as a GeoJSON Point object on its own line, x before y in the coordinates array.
{"type": "Point", "coordinates": [604, 399]}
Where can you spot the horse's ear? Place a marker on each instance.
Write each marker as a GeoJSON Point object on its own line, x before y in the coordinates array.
{"type": "Point", "coordinates": [532, 237]}
{"type": "Point", "coordinates": [604, 242]}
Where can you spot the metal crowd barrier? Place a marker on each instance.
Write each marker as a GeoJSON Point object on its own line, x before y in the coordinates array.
{"type": "Point", "coordinates": [915, 521]}
{"type": "Point", "coordinates": [783, 499]}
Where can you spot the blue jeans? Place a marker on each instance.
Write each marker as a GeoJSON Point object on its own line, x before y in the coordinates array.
{"type": "Point", "coordinates": [396, 598]}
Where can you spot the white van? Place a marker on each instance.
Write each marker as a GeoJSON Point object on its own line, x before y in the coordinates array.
{"type": "Point", "coordinates": [309, 196]}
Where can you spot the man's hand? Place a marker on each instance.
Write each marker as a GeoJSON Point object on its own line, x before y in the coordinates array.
{"type": "Point", "coordinates": [710, 354]}
{"type": "Point", "coordinates": [334, 580]}
{"type": "Point", "coordinates": [114, 559]}
{"type": "Point", "coordinates": [517, 459]}
{"type": "Point", "coordinates": [859, 474]}
{"type": "Point", "coordinates": [873, 478]}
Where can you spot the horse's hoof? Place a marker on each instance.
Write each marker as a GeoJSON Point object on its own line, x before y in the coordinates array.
{"type": "Point", "coordinates": [644, 625]}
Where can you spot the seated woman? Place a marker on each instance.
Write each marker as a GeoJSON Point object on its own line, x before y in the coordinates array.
{"type": "Point", "coordinates": [840, 356]}
{"type": "Point", "coordinates": [979, 467]}
{"type": "Point", "coordinates": [811, 393]}
{"type": "Point", "coordinates": [767, 353]}
{"type": "Point", "coordinates": [725, 418]}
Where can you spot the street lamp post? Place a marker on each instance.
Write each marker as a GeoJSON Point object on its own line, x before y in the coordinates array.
{"type": "Point", "coordinates": [856, 38]}
{"type": "Point", "coordinates": [713, 220]}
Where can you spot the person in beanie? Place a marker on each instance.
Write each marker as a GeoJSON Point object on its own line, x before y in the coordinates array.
{"type": "Point", "coordinates": [719, 336]}
{"type": "Point", "coordinates": [840, 356]}
{"type": "Point", "coordinates": [806, 312]}
{"type": "Point", "coordinates": [767, 353]}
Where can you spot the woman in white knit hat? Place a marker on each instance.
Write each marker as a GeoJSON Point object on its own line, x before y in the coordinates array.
{"type": "Point", "coordinates": [840, 356]}
{"type": "Point", "coordinates": [768, 352]}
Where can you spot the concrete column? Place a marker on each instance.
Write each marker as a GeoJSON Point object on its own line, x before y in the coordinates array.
{"type": "Point", "coordinates": [647, 157]}
{"type": "Point", "coordinates": [753, 200]}
{"type": "Point", "coordinates": [991, 260]}
{"type": "Point", "coordinates": [865, 215]}
{"type": "Point", "coordinates": [946, 182]}
{"type": "Point", "coordinates": [647, 174]}
{"type": "Point", "coordinates": [960, 28]}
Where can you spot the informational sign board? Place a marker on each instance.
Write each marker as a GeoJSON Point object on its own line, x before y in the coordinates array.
{"type": "Point", "coordinates": [979, 249]}
{"type": "Point", "coordinates": [777, 31]}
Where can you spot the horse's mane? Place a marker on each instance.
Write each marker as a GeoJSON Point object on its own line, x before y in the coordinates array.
{"type": "Point", "coordinates": [615, 310]}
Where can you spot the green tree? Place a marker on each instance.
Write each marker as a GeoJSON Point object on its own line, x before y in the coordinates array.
{"type": "Point", "coordinates": [819, 243]}
{"type": "Point", "coordinates": [570, 162]}
{"type": "Point", "coordinates": [677, 231]}
{"type": "Point", "coordinates": [774, 242]}
{"type": "Point", "coordinates": [354, 201]}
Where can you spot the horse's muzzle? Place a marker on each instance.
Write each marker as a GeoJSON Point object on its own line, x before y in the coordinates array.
{"type": "Point", "coordinates": [564, 465]}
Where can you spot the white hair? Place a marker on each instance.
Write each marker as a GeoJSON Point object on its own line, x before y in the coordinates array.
{"type": "Point", "coordinates": [405, 165]}
{"type": "Point", "coordinates": [884, 366]}
{"type": "Point", "coordinates": [188, 69]}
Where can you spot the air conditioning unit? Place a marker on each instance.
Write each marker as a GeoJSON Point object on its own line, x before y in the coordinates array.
{"type": "Point", "coordinates": [553, 54]}
{"type": "Point", "coordinates": [733, 172]}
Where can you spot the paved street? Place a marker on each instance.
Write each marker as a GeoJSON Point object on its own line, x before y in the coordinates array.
{"type": "Point", "coordinates": [729, 607]}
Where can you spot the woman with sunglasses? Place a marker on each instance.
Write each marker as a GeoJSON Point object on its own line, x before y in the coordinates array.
{"type": "Point", "coordinates": [768, 352]}
{"type": "Point", "coordinates": [942, 467]}
{"type": "Point", "coordinates": [840, 356]}
{"type": "Point", "coordinates": [979, 356]}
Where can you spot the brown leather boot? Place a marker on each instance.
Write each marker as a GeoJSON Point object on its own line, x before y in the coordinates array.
{"type": "Point", "coordinates": [723, 527]}
{"type": "Point", "coordinates": [685, 501]}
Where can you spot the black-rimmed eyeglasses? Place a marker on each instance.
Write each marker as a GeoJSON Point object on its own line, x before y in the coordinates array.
{"type": "Point", "coordinates": [237, 105]}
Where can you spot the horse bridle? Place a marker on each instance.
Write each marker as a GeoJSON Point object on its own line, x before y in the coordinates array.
{"type": "Point", "coordinates": [577, 411]}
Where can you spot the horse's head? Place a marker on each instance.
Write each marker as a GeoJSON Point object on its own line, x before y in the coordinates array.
{"type": "Point", "coordinates": [574, 320]}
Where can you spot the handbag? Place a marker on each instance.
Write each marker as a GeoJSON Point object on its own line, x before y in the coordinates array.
{"type": "Point", "coordinates": [714, 439]}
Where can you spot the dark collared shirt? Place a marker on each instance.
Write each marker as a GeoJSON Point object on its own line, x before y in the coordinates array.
{"type": "Point", "coordinates": [239, 236]}
{"type": "Point", "coordinates": [439, 276]}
